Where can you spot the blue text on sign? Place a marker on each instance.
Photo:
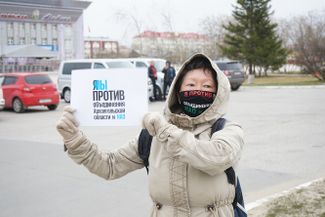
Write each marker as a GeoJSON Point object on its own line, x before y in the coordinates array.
{"type": "Point", "coordinates": [121, 116]}
{"type": "Point", "coordinates": [100, 85]}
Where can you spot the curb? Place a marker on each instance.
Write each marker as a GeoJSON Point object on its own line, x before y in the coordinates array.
{"type": "Point", "coordinates": [259, 202]}
{"type": "Point", "coordinates": [320, 86]}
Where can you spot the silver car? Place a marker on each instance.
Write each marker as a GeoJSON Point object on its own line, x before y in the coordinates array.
{"type": "Point", "coordinates": [234, 71]}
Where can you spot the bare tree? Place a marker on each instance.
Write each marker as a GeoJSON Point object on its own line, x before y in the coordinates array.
{"type": "Point", "coordinates": [131, 20]}
{"type": "Point", "coordinates": [212, 26]}
{"type": "Point", "coordinates": [284, 31]}
{"type": "Point", "coordinates": [167, 21]}
{"type": "Point", "coordinates": [173, 53]}
{"type": "Point", "coordinates": [308, 35]}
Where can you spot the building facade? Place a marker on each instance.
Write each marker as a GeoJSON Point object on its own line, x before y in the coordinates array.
{"type": "Point", "coordinates": [169, 44]}
{"type": "Point", "coordinates": [96, 47]}
{"type": "Point", "coordinates": [31, 30]}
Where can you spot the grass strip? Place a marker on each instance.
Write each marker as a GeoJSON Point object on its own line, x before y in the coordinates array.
{"type": "Point", "coordinates": [279, 80]}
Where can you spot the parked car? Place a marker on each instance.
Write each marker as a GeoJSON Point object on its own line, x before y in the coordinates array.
{"type": "Point", "coordinates": [2, 100]}
{"type": "Point", "coordinates": [22, 90]}
{"type": "Point", "coordinates": [234, 71]}
{"type": "Point", "coordinates": [159, 64]}
{"type": "Point", "coordinates": [66, 67]}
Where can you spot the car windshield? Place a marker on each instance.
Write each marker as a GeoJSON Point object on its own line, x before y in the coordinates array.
{"type": "Point", "coordinates": [38, 79]}
{"type": "Point", "coordinates": [159, 65]}
{"type": "Point", "coordinates": [68, 67]}
{"type": "Point", "coordinates": [230, 66]}
{"type": "Point", "coordinates": [120, 64]}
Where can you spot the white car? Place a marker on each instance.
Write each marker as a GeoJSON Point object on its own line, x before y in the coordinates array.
{"type": "Point", "coordinates": [159, 64]}
{"type": "Point", "coordinates": [64, 73]}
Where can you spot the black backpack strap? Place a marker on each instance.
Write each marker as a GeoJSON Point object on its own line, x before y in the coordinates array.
{"type": "Point", "coordinates": [239, 195]}
{"type": "Point", "coordinates": [230, 172]}
{"type": "Point", "coordinates": [231, 176]}
{"type": "Point", "coordinates": [232, 179]}
{"type": "Point", "coordinates": [218, 125]}
{"type": "Point", "coordinates": [144, 145]}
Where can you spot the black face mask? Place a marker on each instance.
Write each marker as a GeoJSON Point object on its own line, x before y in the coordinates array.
{"type": "Point", "coordinates": [194, 102]}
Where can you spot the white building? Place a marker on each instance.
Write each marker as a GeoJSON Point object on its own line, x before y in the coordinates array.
{"type": "Point", "coordinates": [31, 30]}
{"type": "Point", "coordinates": [169, 44]}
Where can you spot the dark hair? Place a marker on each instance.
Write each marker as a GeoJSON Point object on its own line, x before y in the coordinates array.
{"type": "Point", "coordinates": [198, 62]}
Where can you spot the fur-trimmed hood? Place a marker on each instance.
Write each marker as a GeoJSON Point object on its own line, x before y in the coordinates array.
{"type": "Point", "coordinates": [173, 112]}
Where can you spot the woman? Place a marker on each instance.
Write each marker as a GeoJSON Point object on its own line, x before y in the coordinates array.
{"type": "Point", "coordinates": [186, 163]}
{"type": "Point", "coordinates": [152, 74]}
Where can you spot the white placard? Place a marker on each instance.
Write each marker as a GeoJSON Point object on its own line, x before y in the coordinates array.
{"type": "Point", "coordinates": [109, 97]}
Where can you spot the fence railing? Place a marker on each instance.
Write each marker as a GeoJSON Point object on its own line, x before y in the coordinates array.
{"type": "Point", "coordinates": [30, 67]}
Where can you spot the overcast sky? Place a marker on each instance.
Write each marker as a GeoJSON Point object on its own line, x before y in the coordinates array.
{"type": "Point", "coordinates": [116, 19]}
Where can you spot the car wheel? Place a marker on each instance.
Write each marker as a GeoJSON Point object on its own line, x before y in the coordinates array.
{"type": "Point", "coordinates": [52, 107]}
{"type": "Point", "coordinates": [158, 93]}
{"type": "Point", "coordinates": [235, 87]}
{"type": "Point", "coordinates": [18, 106]}
{"type": "Point", "coordinates": [67, 95]}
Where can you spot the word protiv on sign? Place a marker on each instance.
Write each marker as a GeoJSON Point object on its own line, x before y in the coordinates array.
{"type": "Point", "coordinates": [101, 92]}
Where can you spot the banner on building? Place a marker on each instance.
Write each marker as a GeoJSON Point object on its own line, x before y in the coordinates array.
{"type": "Point", "coordinates": [110, 97]}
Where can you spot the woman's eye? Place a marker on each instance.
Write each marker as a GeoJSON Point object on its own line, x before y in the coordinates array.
{"type": "Point", "coordinates": [207, 86]}
{"type": "Point", "coordinates": [190, 85]}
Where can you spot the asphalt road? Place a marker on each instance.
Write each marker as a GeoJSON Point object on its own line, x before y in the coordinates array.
{"type": "Point", "coordinates": [285, 146]}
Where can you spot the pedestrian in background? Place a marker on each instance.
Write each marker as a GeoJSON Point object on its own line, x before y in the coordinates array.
{"type": "Point", "coordinates": [169, 75]}
{"type": "Point", "coordinates": [187, 161]}
{"type": "Point", "coordinates": [152, 73]}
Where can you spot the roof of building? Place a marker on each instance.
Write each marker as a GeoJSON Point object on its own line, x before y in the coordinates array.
{"type": "Point", "coordinates": [27, 51]}
{"type": "Point", "coordinates": [50, 3]}
{"type": "Point", "coordinates": [105, 39]}
{"type": "Point", "coordinates": [169, 35]}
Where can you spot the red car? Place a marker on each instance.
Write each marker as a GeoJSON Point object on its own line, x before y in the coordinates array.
{"type": "Point", "coordinates": [22, 90]}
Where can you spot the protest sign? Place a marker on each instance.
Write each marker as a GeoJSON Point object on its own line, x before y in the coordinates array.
{"type": "Point", "coordinates": [109, 97]}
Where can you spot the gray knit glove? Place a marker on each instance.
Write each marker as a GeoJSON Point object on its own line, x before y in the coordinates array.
{"type": "Point", "coordinates": [68, 126]}
{"type": "Point", "coordinates": [153, 122]}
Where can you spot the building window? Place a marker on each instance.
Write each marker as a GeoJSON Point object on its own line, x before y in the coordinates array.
{"type": "Point", "coordinates": [33, 41]}
{"type": "Point", "coordinates": [68, 49]}
{"type": "Point", "coordinates": [55, 41]}
{"type": "Point", "coordinates": [54, 31]}
{"type": "Point", "coordinates": [21, 29]}
{"type": "Point", "coordinates": [10, 41]}
{"type": "Point", "coordinates": [87, 44]}
{"type": "Point", "coordinates": [10, 29]}
{"type": "Point", "coordinates": [68, 44]}
{"type": "Point", "coordinates": [44, 41]}
{"type": "Point", "coordinates": [44, 31]}
{"type": "Point", "coordinates": [22, 40]}
{"type": "Point", "coordinates": [55, 44]}
{"type": "Point", "coordinates": [96, 44]}
{"type": "Point", "coordinates": [33, 29]}
{"type": "Point", "coordinates": [68, 31]}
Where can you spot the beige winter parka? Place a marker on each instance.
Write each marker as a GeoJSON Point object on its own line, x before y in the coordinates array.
{"type": "Point", "coordinates": [186, 163]}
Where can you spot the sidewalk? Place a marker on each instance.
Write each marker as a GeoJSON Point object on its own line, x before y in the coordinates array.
{"type": "Point", "coordinates": [301, 202]}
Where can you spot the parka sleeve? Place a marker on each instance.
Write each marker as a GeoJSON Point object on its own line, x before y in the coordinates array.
{"type": "Point", "coordinates": [212, 156]}
{"type": "Point", "coordinates": [108, 165]}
